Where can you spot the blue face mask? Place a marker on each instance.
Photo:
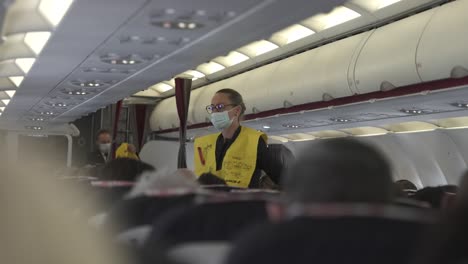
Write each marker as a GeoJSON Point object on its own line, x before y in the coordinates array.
{"type": "Point", "coordinates": [221, 120]}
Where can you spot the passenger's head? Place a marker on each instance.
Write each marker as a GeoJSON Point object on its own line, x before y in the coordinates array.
{"type": "Point", "coordinates": [210, 179]}
{"type": "Point", "coordinates": [164, 180]}
{"type": "Point", "coordinates": [104, 140]}
{"type": "Point", "coordinates": [339, 171]}
{"type": "Point", "coordinates": [405, 188]}
{"type": "Point", "coordinates": [124, 169]}
{"type": "Point", "coordinates": [227, 108]}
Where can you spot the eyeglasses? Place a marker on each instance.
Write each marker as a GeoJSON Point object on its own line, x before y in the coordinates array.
{"type": "Point", "coordinates": [219, 107]}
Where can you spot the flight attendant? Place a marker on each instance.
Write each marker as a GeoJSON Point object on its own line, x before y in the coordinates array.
{"type": "Point", "coordinates": [236, 154]}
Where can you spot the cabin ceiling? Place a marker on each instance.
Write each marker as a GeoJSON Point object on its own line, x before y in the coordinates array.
{"type": "Point", "coordinates": [105, 50]}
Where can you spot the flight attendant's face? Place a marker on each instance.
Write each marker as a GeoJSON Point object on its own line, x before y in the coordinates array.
{"type": "Point", "coordinates": [222, 103]}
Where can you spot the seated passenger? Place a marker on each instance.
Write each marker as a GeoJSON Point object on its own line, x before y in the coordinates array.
{"type": "Point", "coordinates": [164, 180]}
{"type": "Point", "coordinates": [435, 196]}
{"type": "Point", "coordinates": [349, 187]}
{"type": "Point", "coordinates": [102, 153]}
{"type": "Point", "coordinates": [210, 179]}
{"type": "Point", "coordinates": [447, 242]}
{"type": "Point", "coordinates": [237, 154]}
{"type": "Point", "coordinates": [405, 188]}
{"type": "Point", "coordinates": [339, 171]}
{"type": "Point", "coordinates": [124, 169]}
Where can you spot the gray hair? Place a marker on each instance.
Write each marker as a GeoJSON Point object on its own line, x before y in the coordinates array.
{"type": "Point", "coordinates": [163, 180]}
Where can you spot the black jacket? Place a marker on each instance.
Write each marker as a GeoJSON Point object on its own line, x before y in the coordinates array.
{"type": "Point", "coordinates": [96, 158]}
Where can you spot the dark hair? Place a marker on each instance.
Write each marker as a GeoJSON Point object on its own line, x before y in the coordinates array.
{"type": "Point", "coordinates": [235, 98]}
{"type": "Point", "coordinates": [339, 170]}
{"type": "Point", "coordinates": [406, 185]}
{"type": "Point", "coordinates": [124, 169]}
{"type": "Point", "coordinates": [210, 179]}
{"type": "Point", "coordinates": [101, 132]}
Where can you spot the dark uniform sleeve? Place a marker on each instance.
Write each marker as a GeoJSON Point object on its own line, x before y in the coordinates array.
{"type": "Point", "coordinates": [268, 163]}
{"type": "Point", "coordinates": [264, 163]}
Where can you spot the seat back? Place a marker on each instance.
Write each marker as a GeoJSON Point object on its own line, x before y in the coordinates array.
{"type": "Point", "coordinates": [220, 221]}
{"type": "Point", "coordinates": [330, 240]}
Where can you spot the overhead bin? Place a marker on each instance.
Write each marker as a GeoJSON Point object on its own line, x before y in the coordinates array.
{"type": "Point", "coordinates": [206, 94]}
{"type": "Point", "coordinates": [315, 75]}
{"type": "Point", "coordinates": [388, 57]}
{"type": "Point", "coordinates": [254, 88]}
{"type": "Point", "coordinates": [442, 51]}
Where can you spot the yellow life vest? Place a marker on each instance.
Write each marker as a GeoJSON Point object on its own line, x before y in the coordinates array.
{"type": "Point", "coordinates": [122, 152]}
{"type": "Point", "coordinates": [240, 160]}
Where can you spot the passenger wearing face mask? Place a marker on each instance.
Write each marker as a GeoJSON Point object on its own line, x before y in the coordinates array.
{"type": "Point", "coordinates": [102, 154]}
{"type": "Point", "coordinates": [235, 155]}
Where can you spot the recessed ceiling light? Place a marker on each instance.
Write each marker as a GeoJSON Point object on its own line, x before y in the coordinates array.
{"type": "Point", "coordinates": [38, 119]}
{"type": "Point", "coordinates": [266, 127]}
{"type": "Point", "coordinates": [33, 127]}
{"type": "Point", "coordinates": [460, 105]}
{"type": "Point", "coordinates": [340, 120]}
{"type": "Point", "coordinates": [131, 59]}
{"type": "Point", "coordinates": [415, 111]}
{"type": "Point", "coordinates": [48, 113]}
{"type": "Point", "coordinates": [59, 105]}
{"type": "Point", "coordinates": [90, 83]}
{"type": "Point", "coordinates": [6, 101]}
{"type": "Point", "coordinates": [181, 25]}
{"type": "Point", "coordinates": [2, 108]}
{"type": "Point", "coordinates": [291, 126]}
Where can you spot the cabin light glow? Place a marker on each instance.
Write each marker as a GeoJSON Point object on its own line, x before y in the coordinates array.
{"type": "Point", "coordinates": [2, 108]}
{"type": "Point", "coordinates": [54, 10]}
{"type": "Point", "coordinates": [10, 93]}
{"type": "Point", "coordinates": [337, 16]}
{"type": "Point", "coordinates": [210, 68]}
{"type": "Point", "coordinates": [233, 58]}
{"type": "Point", "coordinates": [161, 87]}
{"type": "Point", "coordinates": [25, 64]}
{"type": "Point", "coordinates": [258, 48]}
{"type": "Point", "coordinates": [6, 101]}
{"type": "Point", "coordinates": [195, 74]}
{"type": "Point", "coordinates": [374, 5]}
{"type": "Point", "coordinates": [291, 34]}
{"type": "Point", "coordinates": [16, 80]}
{"type": "Point", "coordinates": [36, 41]}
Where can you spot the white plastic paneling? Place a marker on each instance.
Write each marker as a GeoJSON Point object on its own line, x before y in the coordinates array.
{"type": "Point", "coordinates": [308, 76]}
{"type": "Point", "coordinates": [163, 154]}
{"type": "Point", "coordinates": [254, 88]}
{"type": "Point", "coordinates": [443, 44]}
{"type": "Point", "coordinates": [164, 115]}
{"type": "Point", "coordinates": [199, 106]}
{"type": "Point", "coordinates": [389, 55]}
{"type": "Point", "coordinates": [193, 98]}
